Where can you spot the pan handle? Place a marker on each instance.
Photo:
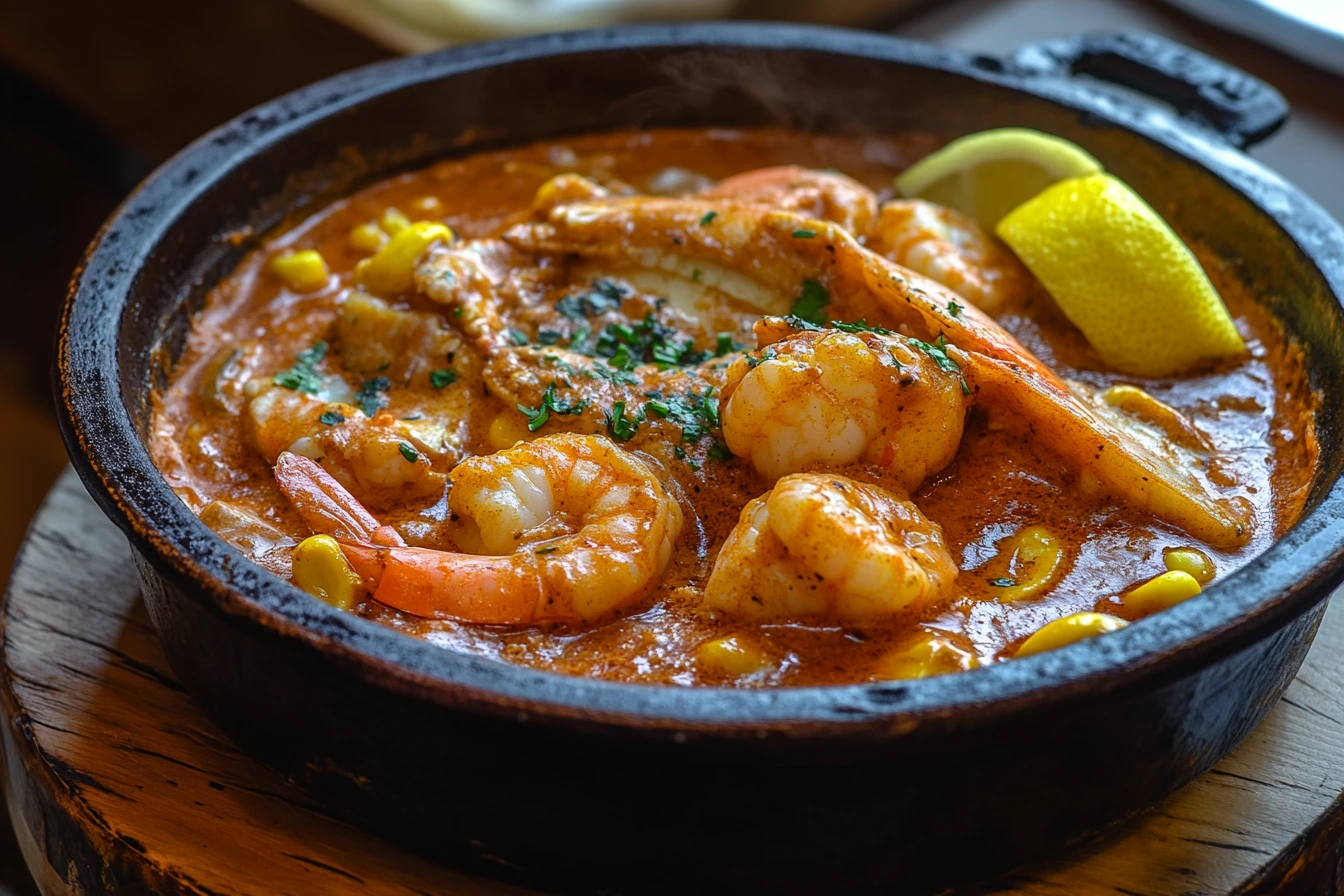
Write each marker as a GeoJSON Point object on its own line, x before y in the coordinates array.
{"type": "Point", "coordinates": [1243, 109]}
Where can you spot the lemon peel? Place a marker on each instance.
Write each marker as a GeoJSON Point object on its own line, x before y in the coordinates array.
{"type": "Point", "coordinates": [1122, 276]}
{"type": "Point", "coordinates": [988, 174]}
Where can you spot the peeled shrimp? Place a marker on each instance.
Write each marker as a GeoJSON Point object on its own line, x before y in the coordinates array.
{"type": "Point", "coordinates": [1008, 381]}
{"type": "Point", "coordinates": [950, 248]}
{"type": "Point", "coordinates": [568, 528]}
{"type": "Point", "coordinates": [833, 398]}
{"type": "Point", "coordinates": [824, 195]}
{"type": "Point", "coordinates": [823, 545]}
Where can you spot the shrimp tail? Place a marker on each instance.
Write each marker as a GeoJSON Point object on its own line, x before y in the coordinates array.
{"type": "Point", "coordinates": [325, 505]}
{"type": "Point", "coordinates": [442, 585]}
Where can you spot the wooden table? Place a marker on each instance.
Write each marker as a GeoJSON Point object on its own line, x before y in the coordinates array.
{"type": "Point", "coordinates": [117, 784]}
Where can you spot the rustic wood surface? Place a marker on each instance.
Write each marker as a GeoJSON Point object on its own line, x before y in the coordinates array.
{"type": "Point", "coordinates": [117, 783]}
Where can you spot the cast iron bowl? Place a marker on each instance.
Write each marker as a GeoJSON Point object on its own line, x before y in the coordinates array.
{"type": "Point", "coordinates": [902, 787]}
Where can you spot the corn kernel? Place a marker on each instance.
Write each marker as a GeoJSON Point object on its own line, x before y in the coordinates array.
{"type": "Point", "coordinates": [367, 237]}
{"type": "Point", "coordinates": [1035, 561]}
{"type": "Point", "coordinates": [507, 430]}
{"type": "Point", "coordinates": [732, 656]}
{"type": "Point", "coordinates": [392, 270]}
{"type": "Point", "coordinates": [1192, 561]}
{"type": "Point", "coordinates": [320, 568]}
{"type": "Point", "coordinates": [301, 271]}
{"type": "Point", "coordinates": [1162, 592]}
{"type": "Point", "coordinates": [394, 222]}
{"type": "Point", "coordinates": [929, 655]}
{"type": "Point", "coordinates": [1063, 632]}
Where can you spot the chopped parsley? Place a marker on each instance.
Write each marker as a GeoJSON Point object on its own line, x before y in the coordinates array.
{"type": "Point", "coordinates": [860, 326]}
{"type": "Point", "coordinates": [1003, 583]}
{"type": "Point", "coordinates": [623, 428]}
{"type": "Point", "coordinates": [696, 275]}
{"type": "Point", "coordinates": [442, 379]}
{"type": "Point", "coordinates": [409, 453]}
{"type": "Point", "coordinates": [708, 218]}
{"type": "Point", "coordinates": [517, 337]}
{"type": "Point", "coordinates": [938, 351]}
{"type": "Point", "coordinates": [371, 398]}
{"type": "Point", "coordinates": [550, 404]}
{"type": "Point", "coordinates": [650, 341]}
{"type": "Point", "coordinates": [811, 305]}
{"type": "Point", "coordinates": [549, 549]}
{"type": "Point", "coordinates": [331, 418]}
{"type": "Point", "coordinates": [302, 377]}
{"type": "Point", "coordinates": [804, 234]}
{"type": "Point", "coordinates": [719, 451]}
{"type": "Point", "coordinates": [680, 454]}
{"type": "Point", "coordinates": [548, 337]}
{"type": "Point", "coordinates": [954, 309]}
{"type": "Point", "coordinates": [726, 344]}
{"type": "Point", "coordinates": [696, 414]}
{"type": "Point", "coordinates": [798, 323]}
{"type": "Point", "coordinates": [610, 374]}
{"type": "Point", "coordinates": [603, 297]}
{"type": "Point", "coordinates": [768, 355]}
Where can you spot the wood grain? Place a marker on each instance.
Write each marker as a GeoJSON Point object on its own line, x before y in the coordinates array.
{"type": "Point", "coordinates": [117, 783]}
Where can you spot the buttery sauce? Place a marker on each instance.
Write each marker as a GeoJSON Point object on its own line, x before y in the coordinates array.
{"type": "Point", "coordinates": [1256, 410]}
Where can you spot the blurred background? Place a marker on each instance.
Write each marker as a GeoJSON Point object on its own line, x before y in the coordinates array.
{"type": "Point", "coordinates": [94, 95]}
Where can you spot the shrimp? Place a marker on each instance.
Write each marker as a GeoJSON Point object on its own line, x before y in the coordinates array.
{"type": "Point", "coordinates": [1007, 380]}
{"type": "Point", "coordinates": [826, 195]}
{"type": "Point", "coordinates": [950, 248]}
{"type": "Point", "coordinates": [382, 458]}
{"type": "Point", "coordinates": [830, 397]}
{"type": "Point", "coordinates": [823, 545]}
{"type": "Point", "coordinates": [565, 529]}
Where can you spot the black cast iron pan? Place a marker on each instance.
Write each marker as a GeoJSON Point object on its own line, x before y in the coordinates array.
{"type": "Point", "coordinates": [897, 787]}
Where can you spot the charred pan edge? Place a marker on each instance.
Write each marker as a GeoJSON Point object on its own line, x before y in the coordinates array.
{"type": "Point", "coordinates": [1294, 575]}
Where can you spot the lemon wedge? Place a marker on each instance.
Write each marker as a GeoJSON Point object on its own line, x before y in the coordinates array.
{"type": "Point", "coordinates": [988, 174]}
{"type": "Point", "coordinates": [1122, 276]}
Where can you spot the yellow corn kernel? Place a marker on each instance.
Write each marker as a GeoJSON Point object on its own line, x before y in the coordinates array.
{"type": "Point", "coordinates": [367, 237]}
{"type": "Point", "coordinates": [732, 656]}
{"type": "Point", "coordinates": [394, 222]}
{"type": "Point", "coordinates": [1035, 561]}
{"type": "Point", "coordinates": [320, 568]}
{"type": "Point", "coordinates": [301, 271]}
{"type": "Point", "coordinates": [927, 656]}
{"type": "Point", "coordinates": [1161, 592]}
{"type": "Point", "coordinates": [507, 430]}
{"type": "Point", "coordinates": [1063, 632]}
{"type": "Point", "coordinates": [1192, 561]}
{"type": "Point", "coordinates": [392, 270]}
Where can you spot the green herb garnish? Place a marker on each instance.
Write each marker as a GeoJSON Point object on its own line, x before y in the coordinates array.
{"type": "Point", "coordinates": [442, 379]}
{"type": "Point", "coordinates": [719, 451]}
{"type": "Point", "coordinates": [1003, 583]}
{"type": "Point", "coordinates": [860, 326]}
{"type": "Point", "coordinates": [331, 418]}
{"type": "Point", "coordinates": [550, 404]}
{"type": "Point", "coordinates": [549, 549]}
{"type": "Point", "coordinates": [623, 429]}
{"type": "Point", "coordinates": [954, 309]}
{"type": "Point", "coordinates": [707, 218]}
{"type": "Point", "coordinates": [517, 337]}
{"type": "Point", "coordinates": [727, 344]}
{"type": "Point", "coordinates": [370, 397]}
{"type": "Point", "coordinates": [408, 452]}
{"type": "Point", "coordinates": [811, 305]}
{"type": "Point", "coordinates": [603, 297]}
{"type": "Point", "coordinates": [804, 234]}
{"type": "Point", "coordinates": [302, 377]}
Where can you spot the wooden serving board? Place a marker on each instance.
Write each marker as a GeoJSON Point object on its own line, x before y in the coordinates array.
{"type": "Point", "coordinates": [118, 784]}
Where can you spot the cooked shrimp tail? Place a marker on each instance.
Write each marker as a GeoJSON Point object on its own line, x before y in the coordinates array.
{"type": "Point", "coordinates": [568, 528]}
